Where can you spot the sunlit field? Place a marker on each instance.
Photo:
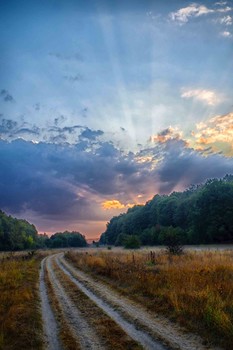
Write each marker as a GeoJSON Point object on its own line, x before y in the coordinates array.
{"type": "Point", "coordinates": [195, 289]}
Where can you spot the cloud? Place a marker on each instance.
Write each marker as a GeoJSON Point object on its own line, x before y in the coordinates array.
{"type": "Point", "coordinates": [221, 3]}
{"type": "Point", "coordinates": [226, 34]}
{"type": "Point", "coordinates": [7, 125]}
{"type": "Point", "coordinates": [182, 166]}
{"type": "Point", "coordinates": [184, 14]}
{"type": "Point", "coordinates": [91, 134]}
{"type": "Point", "coordinates": [6, 96]}
{"type": "Point", "coordinates": [115, 204]}
{"type": "Point", "coordinates": [209, 97]}
{"type": "Point", "coordinates": [226, 20]}
{"type": "Point", "coordinates": [59, 120]}
{"type": "Point", "coordinates": [68, 183]}
{"type": "Point", "coordinates": [11, 129]}
{"type": "Point", "coordinates": [167, 134]}
{"type": "Point", "coordinates": [216, 132]}
{"type": "Point", "coordinates": [34, 130]}
{"type": "Point", "coordinates": [58, 134]}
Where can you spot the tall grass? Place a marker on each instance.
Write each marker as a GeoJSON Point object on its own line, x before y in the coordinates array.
{"type": "Point", "coordinates": [20, 320]}
{"type": "Point", "coordinates": [196, 288]}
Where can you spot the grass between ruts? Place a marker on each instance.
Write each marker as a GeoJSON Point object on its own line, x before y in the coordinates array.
{"type": "Point", "coordinates": [195, 289]}
{"type": "Point", "coordinates": [20, 317]}
{"type": "Point", "coordinates": [65, 334]}
{"type": "Point", "coordinates": [108, 331]}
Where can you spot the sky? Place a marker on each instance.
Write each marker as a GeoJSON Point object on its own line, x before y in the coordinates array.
{"type": "Point", "coordinates": [104, 104]}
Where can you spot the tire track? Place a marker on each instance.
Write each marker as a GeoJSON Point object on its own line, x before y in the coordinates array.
{"type": "Point", "coordinates": [80, 328]}
{"type": "Point", "coordinates": [135, 320]}
{"type": "Point", "coordinates": [50, 327]}
{"type": "Point", "coordinates": [131, 328]}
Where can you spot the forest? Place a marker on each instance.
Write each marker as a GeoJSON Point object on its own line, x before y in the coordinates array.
{"type": "Point", "coordinates": [202, 214]}
{"type": "Point", "coordinates": [17, 234]}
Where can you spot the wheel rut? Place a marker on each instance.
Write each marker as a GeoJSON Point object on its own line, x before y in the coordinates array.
{"type": "Point", "coordinates": [50, 326]}
{"type": "Point", "coordinates": [78, 325]}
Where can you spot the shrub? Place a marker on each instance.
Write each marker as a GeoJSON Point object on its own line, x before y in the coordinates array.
{"type": "Point", "coordinates": [172, 239]}
{"type": "Point", "coordinates": [132, 242]}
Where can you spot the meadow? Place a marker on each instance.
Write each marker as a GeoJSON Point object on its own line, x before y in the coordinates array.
{"type": "Point", "coordinates": [20, 318]}
{"type": "Point", "coordinates": [194, 289]}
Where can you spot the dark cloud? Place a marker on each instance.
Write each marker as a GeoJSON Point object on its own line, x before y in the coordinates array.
{"type": "Point", "coordinates": [62, 181]}
{"type": "Point", "coordinates": [61, 138]}
{"type": "Point", "coordinates": [182, 166]}
{"type": "Point", "coordinates": [59, 134]}
{"type": "Point", "coordinates": [71, 129]}
{"type": "Point", "coordinates": [12, 129]}
{"type": "Point", "coordinates": [91, 134]}
{"type": "Point", "coordinates": [165, 132]}
{"type": "Point", "coordinates": [6, 96]}
{"type": "Point", "coordinates": [34, 130]}
{"type": "Point", "coordinates": [59, 120]}
{"type": "Point", "coordinates": [107, 149]}
{"type": "Point", "coordinates": [7, 125]}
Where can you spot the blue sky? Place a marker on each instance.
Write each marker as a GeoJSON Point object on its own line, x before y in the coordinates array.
{"type": "Point", "coordinates": [105, 103]}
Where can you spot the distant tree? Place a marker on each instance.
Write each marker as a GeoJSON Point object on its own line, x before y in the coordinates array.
{"type": "Point", "coordinates": [67, 239]}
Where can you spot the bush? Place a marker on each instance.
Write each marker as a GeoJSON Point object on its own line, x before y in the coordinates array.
{"type": "Point", "coordinates": [132, 242]}
{"type": "Point", "coordinates": [172, 238]}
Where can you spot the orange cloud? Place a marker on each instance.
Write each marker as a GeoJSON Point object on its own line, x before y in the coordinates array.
{"type": "Point", "coordinates": [115, 204]}
{"type": "Point", "coordinates": [217, 132]}
{"type": "Point", "coordinates": [167, 134]}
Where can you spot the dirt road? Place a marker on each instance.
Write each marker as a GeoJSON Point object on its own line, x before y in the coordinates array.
{"type": "Point", "coordinates": [82, 313]}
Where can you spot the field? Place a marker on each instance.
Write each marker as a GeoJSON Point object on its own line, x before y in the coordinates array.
{"type": "Point", "coordinates": [20, 316]}
{"type": "Point", "coordinates": [105, 299]}
{"type": "Point", "coordinates": [195, 289]}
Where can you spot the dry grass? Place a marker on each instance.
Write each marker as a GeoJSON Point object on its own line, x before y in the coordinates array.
{"type": "Point", "coordinates": [20, 314]}
{"type": "Point", "coordinates": [196, 289]}
{"type": "Point", "coordinates": [20, 319]}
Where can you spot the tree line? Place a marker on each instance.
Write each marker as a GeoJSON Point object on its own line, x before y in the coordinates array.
{"type": "Point", "coordinates": [17, 234]}
{"type": "Point", "coordinates": [199, 215]}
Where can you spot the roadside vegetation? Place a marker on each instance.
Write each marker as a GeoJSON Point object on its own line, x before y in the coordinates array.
{"type": "Point", "coordinates": [194, 288]}
{"type": "Point", "coordinates": [20, 317]}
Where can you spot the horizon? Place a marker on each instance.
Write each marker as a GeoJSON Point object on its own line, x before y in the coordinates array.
{"type": "Point", "coordinates": [106, 104]}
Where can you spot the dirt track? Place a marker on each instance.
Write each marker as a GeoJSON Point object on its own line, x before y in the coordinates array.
{"type": "Point", "coordinates": [135, 327]}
